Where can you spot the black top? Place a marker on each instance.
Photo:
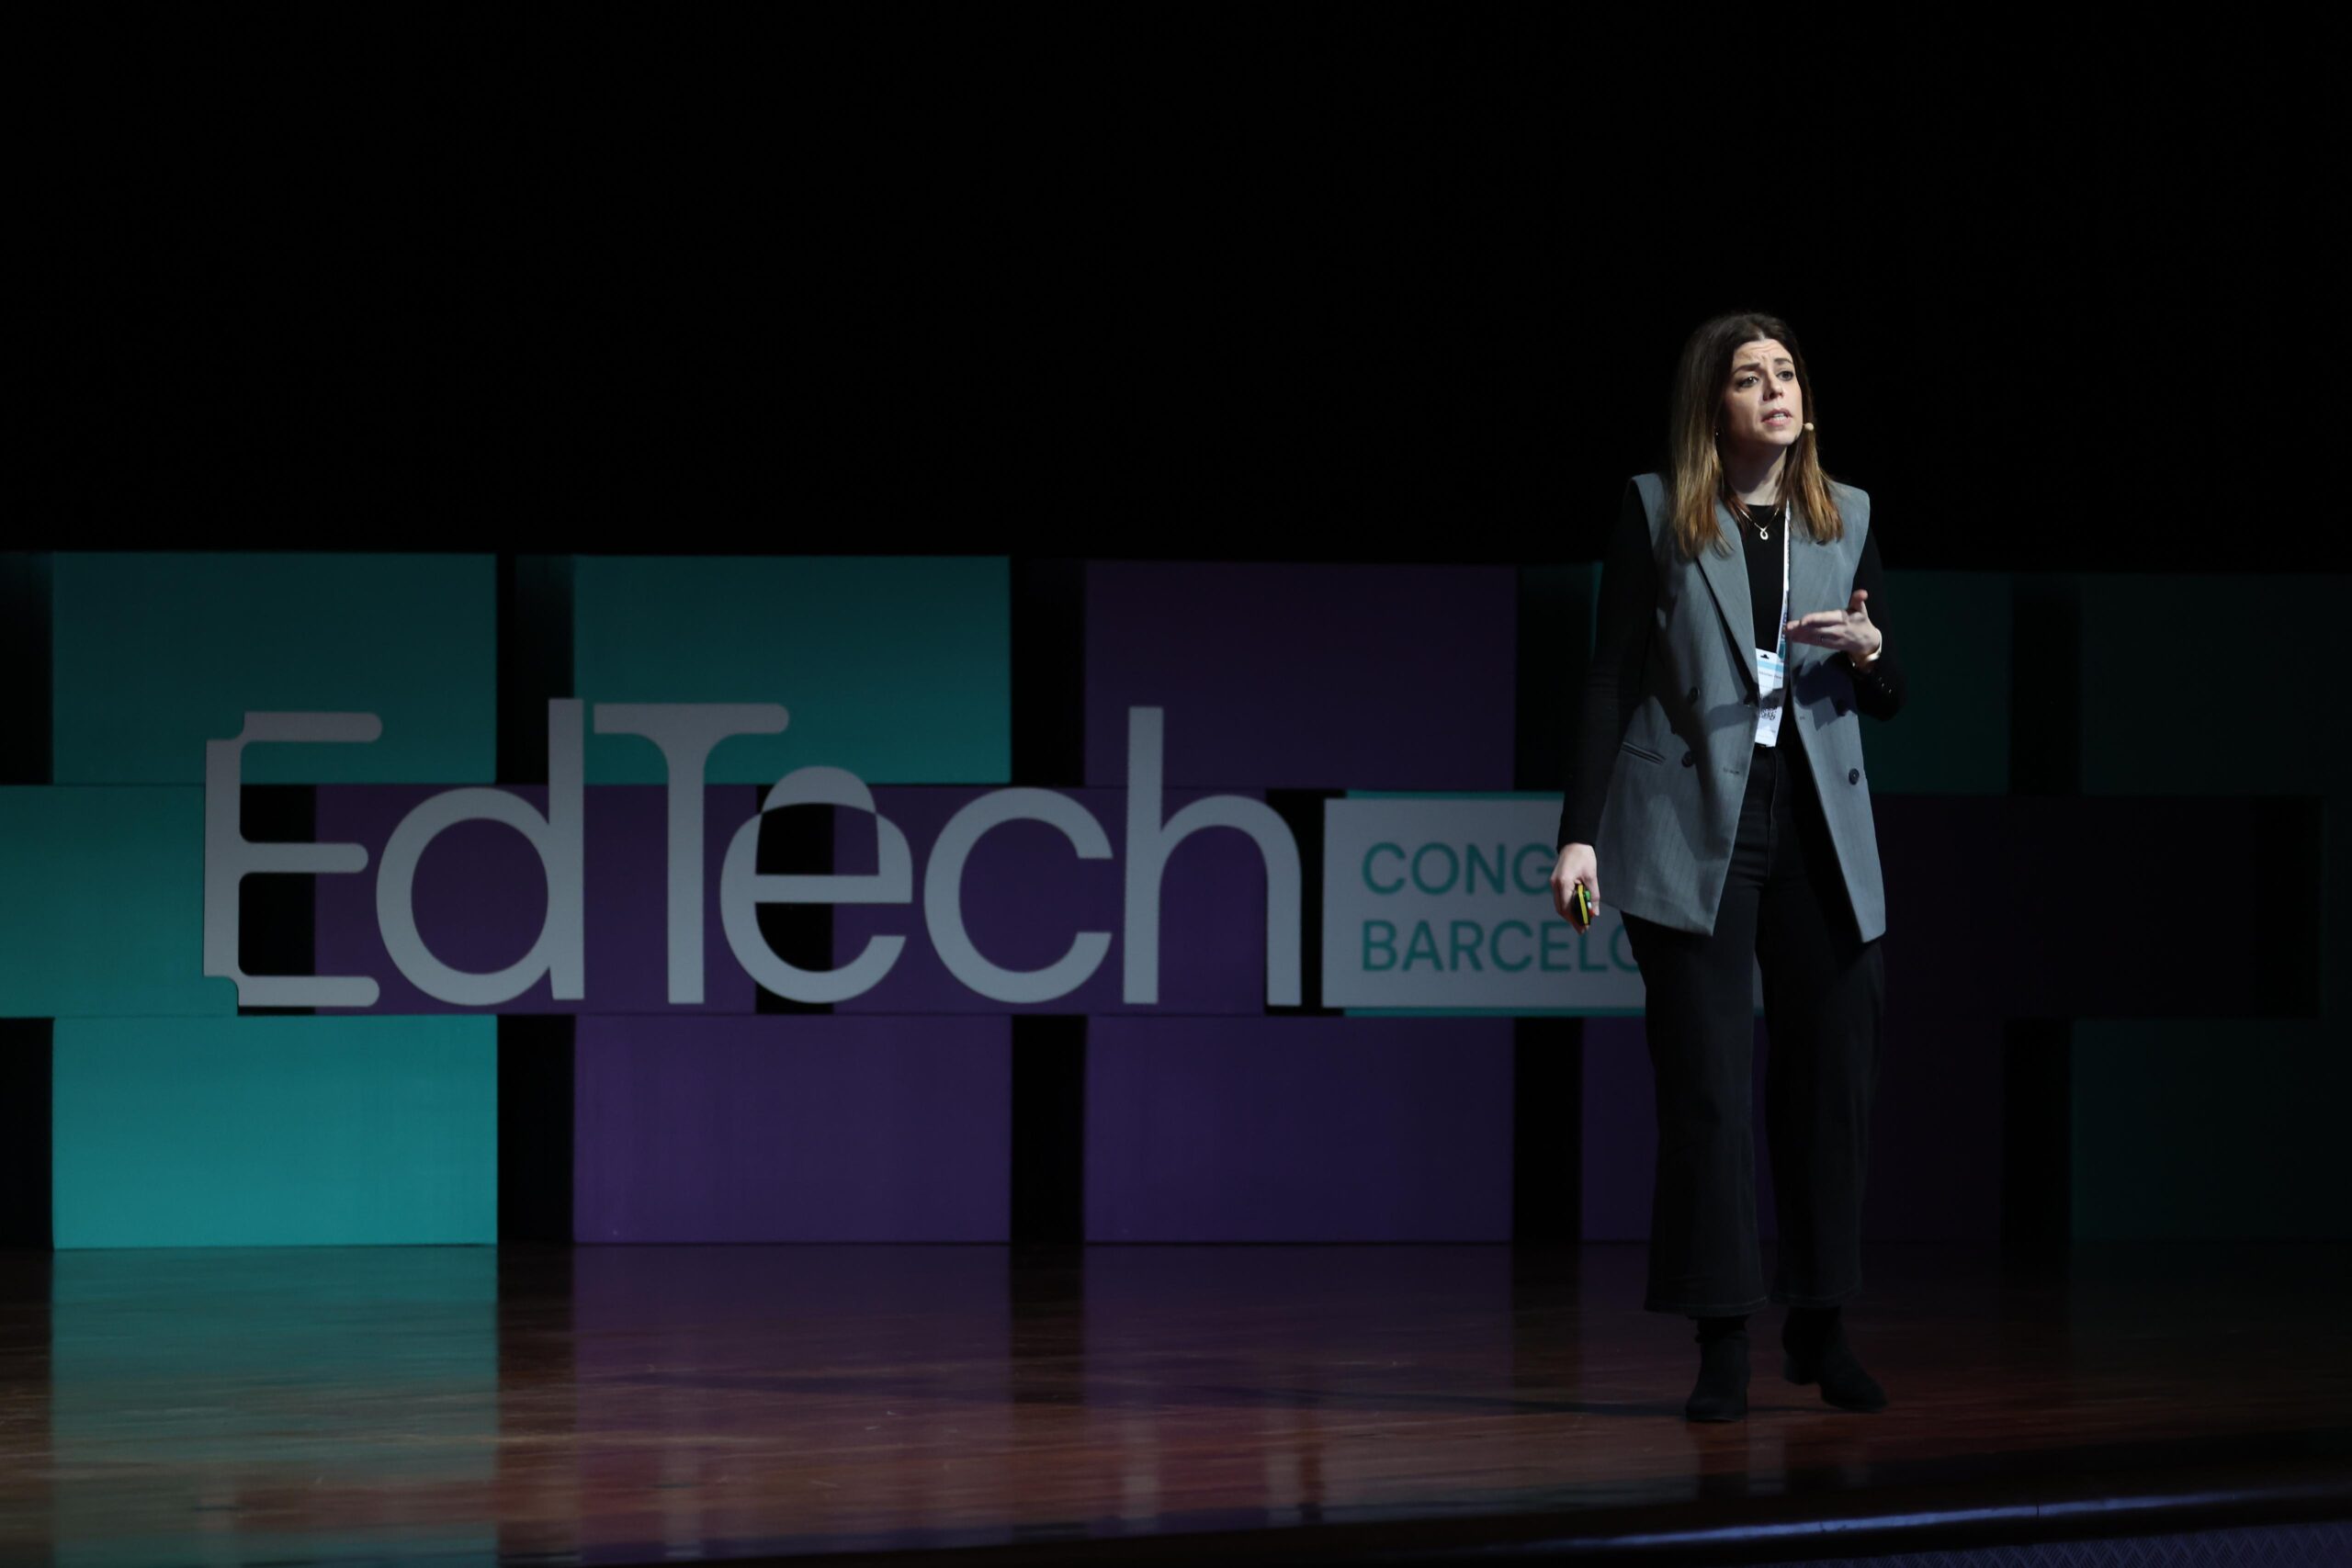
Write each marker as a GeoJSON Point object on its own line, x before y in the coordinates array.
{"type": "Point", "coordinates": [1612, 685]}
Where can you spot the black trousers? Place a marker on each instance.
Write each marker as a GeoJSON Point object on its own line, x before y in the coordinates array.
{"type": "Point", "coordinates": [1784, 909]}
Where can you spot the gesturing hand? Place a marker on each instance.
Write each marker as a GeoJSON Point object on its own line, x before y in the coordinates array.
{"type": "Point", "coordinates": [1846, 631]}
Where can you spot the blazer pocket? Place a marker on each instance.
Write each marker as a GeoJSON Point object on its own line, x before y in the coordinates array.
{"type": "Point", "coordinates": [1642, 752]}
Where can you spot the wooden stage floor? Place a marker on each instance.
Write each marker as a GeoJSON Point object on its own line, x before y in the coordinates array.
{"type": "Point", "coordinates": [1280, 1403]}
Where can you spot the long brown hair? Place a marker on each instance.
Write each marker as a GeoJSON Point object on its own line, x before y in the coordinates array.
{"type": "Point", "coordinates": [1694, 465]}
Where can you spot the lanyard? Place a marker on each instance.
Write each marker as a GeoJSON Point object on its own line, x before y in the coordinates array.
{"type": "Point", "coordinates": [1772, 669]}
{"type": "Point", "coordinates": [1780, 648]}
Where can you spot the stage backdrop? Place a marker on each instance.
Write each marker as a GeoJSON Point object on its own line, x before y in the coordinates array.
{"type": "Point", "coordinates": [412, 899]}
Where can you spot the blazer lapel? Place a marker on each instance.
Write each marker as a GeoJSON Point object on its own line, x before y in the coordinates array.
{"type": "Point", "coordinates": [1727, 576]}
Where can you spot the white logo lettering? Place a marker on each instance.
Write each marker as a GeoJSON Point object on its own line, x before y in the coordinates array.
{"type": "Point", "coordinates": [686, 732]}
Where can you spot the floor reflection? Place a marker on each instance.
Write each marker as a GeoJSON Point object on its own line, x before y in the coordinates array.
{"type": "Point", "coordinates": [637, 1404]}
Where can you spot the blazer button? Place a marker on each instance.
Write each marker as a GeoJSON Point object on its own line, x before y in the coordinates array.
{"type": "Point", "coordinates": [1688, 760]}
{"type": "Point", "coordinates": [1853, 775]}
{"type": "Point", "coordinates": [1693, 696]}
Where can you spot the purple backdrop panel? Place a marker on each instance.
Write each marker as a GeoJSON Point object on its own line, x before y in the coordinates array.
{"type": "Point", "coordinates": [1026, 895]}
{"type": "Point", "coordinates": [1935, 1132]}
{"type": "Point", "coordinates": [480, 896]}
{"type": "Point", "coordinates": [802, 1127]}
{"type": "Point", "coordinates": [1303, 675]}
{"type": "Point", "coordinates": [1298, 1129]}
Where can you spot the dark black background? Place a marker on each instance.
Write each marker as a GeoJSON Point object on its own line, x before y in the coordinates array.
{"type": "Point", "coordinates": [1271, 282]}
{"type": "Point", "coordinates": [1338, 282]}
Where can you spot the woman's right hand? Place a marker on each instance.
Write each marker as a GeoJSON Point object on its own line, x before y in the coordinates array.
{"type": "Point", "coordinates": [1576, 864]}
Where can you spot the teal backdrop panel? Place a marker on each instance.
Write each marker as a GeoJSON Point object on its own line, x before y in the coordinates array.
{"type": "Point", "coordinates": [2336, 905]}
{"type": "Point", "coordinates": [156, 654]}
{"type": "Point", "coordinates": [896, 668]}
{"type": "Point", "coordinates": [102, 903]}
{"type": "Point", "coordinates": [2209, 1128]}
{"type": "Point", "coordinates": [274, 1131]}
{"type": "Point", "coordinates": [2202, 684]}
{"type": "Point", "coordinates": [1953, 736]}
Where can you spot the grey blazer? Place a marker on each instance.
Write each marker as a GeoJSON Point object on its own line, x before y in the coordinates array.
{"type": "Point", "coordinates": [1672, 811]}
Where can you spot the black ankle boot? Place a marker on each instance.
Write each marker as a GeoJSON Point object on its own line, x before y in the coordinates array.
{"type": "Point", "coordinates": [1815, 1338]}
{"type": "Point", "coordinates": [1721, 1393]}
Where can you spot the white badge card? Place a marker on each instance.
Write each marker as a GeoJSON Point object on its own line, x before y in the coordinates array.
{"type": "Point", "coordinates": [1771, 672]}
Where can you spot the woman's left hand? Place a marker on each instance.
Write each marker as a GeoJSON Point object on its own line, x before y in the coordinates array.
{"type": "Point", "coordinates": [1846, 631]}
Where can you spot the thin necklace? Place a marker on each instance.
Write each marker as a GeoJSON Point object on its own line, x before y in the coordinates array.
{"type": "Point", "coordinates": [1763, 529]}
